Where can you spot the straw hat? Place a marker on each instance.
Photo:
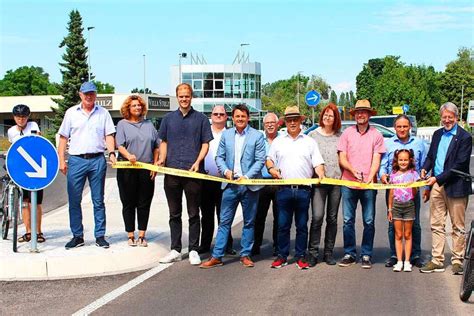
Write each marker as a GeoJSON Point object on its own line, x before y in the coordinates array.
{"type": "Point", "coordinates": [292, 111]}
{"type": "Point", "coordinates": [363, 104]}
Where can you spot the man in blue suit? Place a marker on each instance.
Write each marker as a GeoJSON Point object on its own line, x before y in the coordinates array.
{"type": "Point", "coordinates": [241, 155]}
{"type": "Point", "coordinates": [450, 148]}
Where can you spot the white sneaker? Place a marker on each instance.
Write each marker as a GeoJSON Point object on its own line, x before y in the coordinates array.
{"type": "Point", "coordinates": [398, 266]}
{"type": "Point", "coordinates": [194, 258]}
{"type": "Point", "coordinates": [407, 266]}
{"type": "Point", "coordinates": [172, 256]}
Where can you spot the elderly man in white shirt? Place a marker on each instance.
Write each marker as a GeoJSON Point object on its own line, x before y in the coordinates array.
{"type": "Point", "coordinates": [90, 130]}
{"type": "Point", "coordinates": [291, 156]}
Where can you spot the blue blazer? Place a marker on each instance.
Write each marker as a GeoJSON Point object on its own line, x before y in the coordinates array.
{"type": "Point", "coordinates": [253, 155]}
{"type": "Point", "coordinates": [457, 157]}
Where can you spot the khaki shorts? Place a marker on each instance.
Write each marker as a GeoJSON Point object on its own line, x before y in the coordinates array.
{"type": "Point", "coordinates": [403, 211]}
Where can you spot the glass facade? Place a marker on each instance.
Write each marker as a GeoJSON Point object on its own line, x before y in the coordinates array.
{"type": "Point", "coordinates": [223, 85]}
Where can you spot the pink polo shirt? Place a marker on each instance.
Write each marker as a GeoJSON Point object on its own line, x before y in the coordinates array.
{"type": "Point", "coordinates": [359, 149]}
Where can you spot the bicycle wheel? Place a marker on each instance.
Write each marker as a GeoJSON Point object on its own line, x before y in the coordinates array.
{"type": "Point", "coordinates": [467, 282]}
{"type": "Point", "coordinates": [15, 211]}
{"type": "Point", "coordinates": [4, 218]}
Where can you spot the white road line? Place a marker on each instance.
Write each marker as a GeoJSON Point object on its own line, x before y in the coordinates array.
{"type": "Point", "coordinates": [107, 298]}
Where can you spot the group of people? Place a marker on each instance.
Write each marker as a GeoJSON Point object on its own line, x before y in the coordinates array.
{"type": "Point", "coordinates": [186, 140]}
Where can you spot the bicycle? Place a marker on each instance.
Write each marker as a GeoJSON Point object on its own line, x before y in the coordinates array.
{"type": "Point", "coordinates": [467, 282]}
{"type": "Point", "coordinates": [11, 201]}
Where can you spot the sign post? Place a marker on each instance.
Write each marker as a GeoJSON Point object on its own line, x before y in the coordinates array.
{"type": "Point", "coordinates": [312, 99]}
{"type": "Point", "coordinates": [32, 163]}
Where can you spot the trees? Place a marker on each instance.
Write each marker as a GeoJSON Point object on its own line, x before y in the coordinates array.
{"type": "Point", "coordinates": [388, 83]}
{"type": "Point", "coordinates": [276, 96]}
{"type": "Point", "coordinates": [333, 97]}
{"type": "Point", "coordinates": [458, 73]}
{"type": "Point", "coordinates": [74, 69]}
{"type": "Point", "coordinates": [27, 81]}
{"type": "Point", "coordinates": [136, 90]}
{"type": "Point", "coordinates": [104, 87]}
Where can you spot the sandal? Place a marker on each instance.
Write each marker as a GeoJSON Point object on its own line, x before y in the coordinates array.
{"type": "Point", "coordinates": [40, 238]}
{"type": "Point", "coordinates": [131, 241]}
{"type": "Point", "coordinates": [142, 242]}
{"type": "Point", "coordinates": [25, 238]}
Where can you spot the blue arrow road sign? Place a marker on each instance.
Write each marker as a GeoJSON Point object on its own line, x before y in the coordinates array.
{"type": "Point", "coordinates": [312, 98]}
{"type": "Point", "coordinates": [405, 108]}
{"type": "Point", "coordinates": [32, 162]}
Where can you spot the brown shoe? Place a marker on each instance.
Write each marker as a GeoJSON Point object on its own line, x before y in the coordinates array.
{"type": "Point", "coordinates": [211, 263]}
{"type": "Point", "coordinates": [247, 262]}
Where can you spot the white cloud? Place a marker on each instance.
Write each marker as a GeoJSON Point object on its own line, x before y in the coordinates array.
{"type": "Point", "coordinates": [409, 18]}
{"type": "Point", "coordinates": [344, 86]}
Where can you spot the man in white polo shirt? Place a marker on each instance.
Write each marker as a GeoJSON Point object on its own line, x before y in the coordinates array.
{"type": "Point", "coordinates": [90, 130]}
{"type": "Point", "coordinates": [293, 156]}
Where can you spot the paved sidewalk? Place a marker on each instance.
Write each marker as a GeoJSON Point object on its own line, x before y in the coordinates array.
{"type": "Point", "coordinates": [55, 262]}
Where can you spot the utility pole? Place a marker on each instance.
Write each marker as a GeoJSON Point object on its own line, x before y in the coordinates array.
{"type": "Point", "coordinates": [298, 90]}
{"type": "Point", "coordinates": [144, 73]}
{"type": "Point", "coordinates": [462, 100]}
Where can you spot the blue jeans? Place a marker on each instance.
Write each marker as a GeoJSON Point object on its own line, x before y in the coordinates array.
{"type": "Point", "coordinates": [350, 197]}
{"type": "Point", "coordinates": [416, 233]}
{"type": "Point", "coordinates": [292, 201]}
{"type": "Point", "coordinates": [79, 170]}
{"type": "Point", "coordinates": [232, 195]}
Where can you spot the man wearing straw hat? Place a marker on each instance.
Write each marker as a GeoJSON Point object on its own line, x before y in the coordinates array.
{"type": "Point", "coordinates": [360, 149]}
{"type": "Point", "coordinates": [293, 156]}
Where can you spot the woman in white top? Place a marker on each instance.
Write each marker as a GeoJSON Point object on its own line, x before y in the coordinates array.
{"type": "Point", "coordinates": [21, 113]}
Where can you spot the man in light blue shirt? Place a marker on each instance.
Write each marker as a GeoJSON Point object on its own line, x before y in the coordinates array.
{"type": "Point", "coordinates": [89, 129]}
{"type": "Point", "coordinates": [404, 140]}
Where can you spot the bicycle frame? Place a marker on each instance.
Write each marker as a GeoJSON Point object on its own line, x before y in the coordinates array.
{"type": "Point", "coordinates": [11, 204]}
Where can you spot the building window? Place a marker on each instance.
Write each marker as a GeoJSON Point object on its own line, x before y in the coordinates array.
{"type": "Point", "coordinates": [218, 85]}
{"type": "Point", "coordinates": [189, 82]}
{"type": "Point", "coordinates": [197, 75]}
{"type": "Point", "coordinates": [218, 75]}
{"type": "Point", "coordinates": [218, 94]}
{"type": "Point", "coordinates": [208, 85]}
{"type": "Point", "coordinates": [197, 84]}
{"type": "Point", "coordinates": [208, 75]}
{"type": "Point", "coordinates": [208, 94]}
{"type": "Point", "coordinates": [197, 94]}
{"type": "Point", "coordinates": [186, 76]}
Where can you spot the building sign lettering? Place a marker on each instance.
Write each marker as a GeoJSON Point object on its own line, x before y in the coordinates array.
{"type": "Point", "coordinates": [158, 103]}
{"type": "Point", "coordinates": [105, 102]}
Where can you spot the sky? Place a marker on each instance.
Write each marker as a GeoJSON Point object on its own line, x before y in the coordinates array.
{"type": "Point", "coordinates": [331, 39]}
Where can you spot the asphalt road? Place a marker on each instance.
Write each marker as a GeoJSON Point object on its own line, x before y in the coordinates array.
{"type": "Point", "coordinates": [232, 289]}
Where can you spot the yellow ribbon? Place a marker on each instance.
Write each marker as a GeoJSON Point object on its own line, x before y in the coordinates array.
{"type": "Point", "coordinates": [197, 175]}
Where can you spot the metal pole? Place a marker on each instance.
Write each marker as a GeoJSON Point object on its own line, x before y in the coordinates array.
{"type": "Point", "coordinates": [312, 115]}
{"type": "Point", "coordinates": [89, 55]}
{"type": "Point", "coordinates": [298, 91]}
{"type": "Point", "coordinates": [144, 74]}
{"type": "Point", "coordinates": [462, 100]}
{"type": "Point", "coordinates": [34, 220]}
{"type": "Point", "coordinates": [179, 68]}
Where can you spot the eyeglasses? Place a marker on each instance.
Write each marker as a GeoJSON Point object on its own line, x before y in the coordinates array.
{"type": "Point", "coordinates": [328, 116]}
{"type": "Point", "coordinates": [218, 114]}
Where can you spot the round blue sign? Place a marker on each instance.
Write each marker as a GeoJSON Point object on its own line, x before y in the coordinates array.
{"type": "Point", "coordinates": [32, 162]}
{"type": "Point", "coordinates": [312, 98]}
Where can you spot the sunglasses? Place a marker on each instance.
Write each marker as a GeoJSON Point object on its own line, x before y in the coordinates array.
{"type": "Point", "coordinates": [218, 114]}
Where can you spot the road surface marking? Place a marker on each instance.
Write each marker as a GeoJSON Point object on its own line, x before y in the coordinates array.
{"type": "Point", "coordinates": [107, 298]}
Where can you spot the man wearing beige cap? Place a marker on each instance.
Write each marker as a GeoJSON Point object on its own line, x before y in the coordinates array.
{"type": "Point", "coordinates": [293, 156]}
{"type": "Point", "coordinates": [360, 149]}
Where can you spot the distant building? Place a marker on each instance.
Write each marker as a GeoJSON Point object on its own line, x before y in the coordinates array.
{"type": "Point", "coordinates": [40, 106]}
{"type": "Point", "coordinates": [223, 84]}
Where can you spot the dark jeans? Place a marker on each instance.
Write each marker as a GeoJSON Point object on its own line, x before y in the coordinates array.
{"type": "Point", "coordinates": [267, 195]}
{"type": "Point", "coordinates": [326, 199]}
{"type": "Point", "coordinates": [416, 232]}
{"type": "Point", "coordinates": [292, 201]}
{"type": "Point", "coordinates": [350, 198]}
{"type": "Point", "coordinates": [174, 187]}
{"type": "Point", "coordinates": [136, 191]}
{"type": "Point", "coordinates": [210, 205]}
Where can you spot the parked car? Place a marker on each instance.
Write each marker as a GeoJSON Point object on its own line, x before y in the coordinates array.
{"type": "Point", "coordinates": [386, 133]}
{"type": "Point", "coordinates": [388, 120]}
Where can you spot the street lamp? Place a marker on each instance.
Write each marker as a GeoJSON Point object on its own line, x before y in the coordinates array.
{"type": "Point", "coordinates": [89, 28]}
{"type": "Point", "coordinates": [144, 73]}
{"type": "Point", "coordinates": [181, 55]}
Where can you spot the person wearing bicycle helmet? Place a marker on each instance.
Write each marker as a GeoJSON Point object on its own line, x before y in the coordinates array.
{"type": "Point", "coordinates": [23, 127]}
